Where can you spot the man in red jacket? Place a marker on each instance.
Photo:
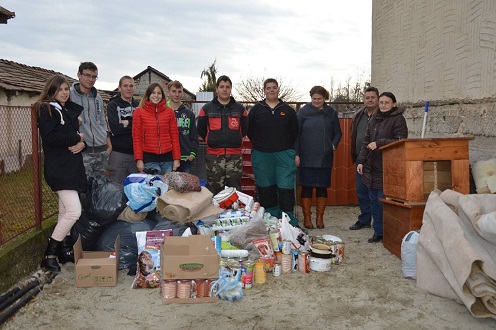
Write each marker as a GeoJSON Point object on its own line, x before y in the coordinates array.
{"type": "Point", "coordinates": [223, 123]}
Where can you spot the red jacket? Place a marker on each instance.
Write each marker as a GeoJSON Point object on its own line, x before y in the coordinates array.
{"type": "Point", "coordinates": [155, 131]}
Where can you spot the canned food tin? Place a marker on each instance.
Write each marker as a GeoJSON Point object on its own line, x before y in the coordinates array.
{"type": "Point", "coordinates": [184, 289]}
{"type": "Point", "coordinates": [294, 260]}
{"type": "Point", "coordinates": [259, 272]}
{"type": "Point", "coordinates": [304, 262]}
{"type": "Point", "coordinates": [247, 274]}
{"type": "Point", "coordinates": [286, 263]}
{"type": "Point", "coordinates": [339, 253]}
{"type": "Point", "coordinates": [277, 269]}
{"type": "Point", "coordinates": [286, 247]}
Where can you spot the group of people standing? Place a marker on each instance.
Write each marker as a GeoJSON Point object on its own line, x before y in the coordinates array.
{"type": "Point", "coordinates": [80, 138]}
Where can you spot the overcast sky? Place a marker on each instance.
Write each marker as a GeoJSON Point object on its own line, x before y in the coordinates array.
{"type": "Point", "coordinates": [303, 42]}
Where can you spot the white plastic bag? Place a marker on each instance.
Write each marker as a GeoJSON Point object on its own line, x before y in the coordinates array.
{"type": "Point", "coordinates": [409, 254]}
{"type": "Point", "coordinates": [299, 240]}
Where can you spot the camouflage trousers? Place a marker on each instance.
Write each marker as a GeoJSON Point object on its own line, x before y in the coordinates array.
{"type": "Point", "coordinates": [95, 163]}
{"type": "Point", "coordinates": [223, 170]}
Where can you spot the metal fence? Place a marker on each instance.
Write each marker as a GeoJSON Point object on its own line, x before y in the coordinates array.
{"type": "Point", "coordinates": [25, 199]}
{"type": "Point", "coordinates": [20, 197]}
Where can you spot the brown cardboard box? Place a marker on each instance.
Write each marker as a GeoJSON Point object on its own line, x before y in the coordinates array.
{"type": "Point", "coordinates": [96, 268]}
{"type": "Point", "coordinates": [189, 258]}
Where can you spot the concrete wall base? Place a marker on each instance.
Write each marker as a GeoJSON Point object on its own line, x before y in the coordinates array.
{"type": "Point", "coordinates": [21, 257]}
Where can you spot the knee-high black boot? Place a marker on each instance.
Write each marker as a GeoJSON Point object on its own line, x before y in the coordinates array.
{"type": "Point", "coordinates": [49, 261]}
{"type": "Point", "coordinates": [66, 251]}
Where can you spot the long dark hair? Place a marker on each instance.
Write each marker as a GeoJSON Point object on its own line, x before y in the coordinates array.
{"type": "Point", "coordinates": [48, 93]}
{"type": "Point", "coordinates": [149, 92]}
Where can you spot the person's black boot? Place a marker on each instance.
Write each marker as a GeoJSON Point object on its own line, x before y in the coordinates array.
{"type": "Point", "coordinates": [66, 251]}
{"type": "Point", "coordinates": [375, 239]}
{"type": "Point", "coordinates": [49, 261]}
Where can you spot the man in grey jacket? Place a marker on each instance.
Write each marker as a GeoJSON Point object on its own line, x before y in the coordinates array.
{"type": "Point", "coordinates": [358, 128]}
{"type": "Point", "coordinates": [93, 120]}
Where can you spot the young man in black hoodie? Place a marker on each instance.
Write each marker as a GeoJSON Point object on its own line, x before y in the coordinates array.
{"type": "Point", "coordinates": [120, 111]}
{"type": "Point", "coordinates": [186, 124]}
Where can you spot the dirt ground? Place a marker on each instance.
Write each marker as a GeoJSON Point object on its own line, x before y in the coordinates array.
{"type": "Point", "coordinates": [367, 291]}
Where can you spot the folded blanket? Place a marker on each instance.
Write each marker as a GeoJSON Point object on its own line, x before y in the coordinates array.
{"type": "Point", "coordinates": [187, 206]}
{"type": "Point", "coordinates": [454, 260]}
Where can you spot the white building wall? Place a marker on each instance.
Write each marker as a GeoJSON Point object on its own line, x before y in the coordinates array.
{"type": "Point", "coordinates": [443, 51]}
{"type": "Point", "coordinates": [434, 49]}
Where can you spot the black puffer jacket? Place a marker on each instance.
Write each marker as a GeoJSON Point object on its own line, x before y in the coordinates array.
{"type": "Point", "coordinates": [384, 128]}
{"type": "Point", "coordinates": [59, 131]}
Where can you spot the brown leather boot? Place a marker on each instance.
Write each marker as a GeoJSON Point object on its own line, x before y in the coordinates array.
{"type": "Point", "coordinates": [321, 206]}
{"type": "Point", "coordinates": [306, 208]}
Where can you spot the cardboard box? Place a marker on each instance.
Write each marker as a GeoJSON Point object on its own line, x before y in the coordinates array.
{"type": "Point", "coordinates": [189, 258]}
{"type": "Point", "coordinates": [96, 268]}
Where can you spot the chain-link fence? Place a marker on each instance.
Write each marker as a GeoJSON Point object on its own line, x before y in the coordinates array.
{"type": "Point", "coordinates": [18, 204]}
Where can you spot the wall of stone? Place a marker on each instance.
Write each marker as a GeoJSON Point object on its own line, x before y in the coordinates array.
{"type": "Point", "coordinates": [449, 119]}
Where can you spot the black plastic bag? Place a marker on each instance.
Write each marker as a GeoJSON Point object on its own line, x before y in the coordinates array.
{"type": "Point", "coordinates": [164, 224]}
{"type": "Point", "coordinates": [89, 229]}
{"type": "Point", "coordinates": [128, 255]}
{"type": "Point", "coordinates": [103, 200]}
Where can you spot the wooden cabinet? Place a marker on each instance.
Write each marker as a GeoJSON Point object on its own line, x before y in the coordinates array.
{"type": "Point", "coordinates": [415, 167]}
{"type": "Point", "coordinates": [412, 169]}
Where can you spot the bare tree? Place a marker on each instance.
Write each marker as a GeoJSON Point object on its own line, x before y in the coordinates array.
{"type": "Point", "coordinates": [251, 90]}
{"type": "Point", "coordinates": [210, 74]}
{"type": "Point", "coordinates": [349, 91]}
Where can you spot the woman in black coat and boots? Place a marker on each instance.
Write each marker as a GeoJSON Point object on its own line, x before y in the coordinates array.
{"type": "Point", "coordinates": [64, 170]}
{"type": "Point", "coordinates": [319, 136]}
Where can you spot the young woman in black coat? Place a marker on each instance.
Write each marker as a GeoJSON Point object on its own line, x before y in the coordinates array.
{"type": "Point", "coordinates": [63, 164]}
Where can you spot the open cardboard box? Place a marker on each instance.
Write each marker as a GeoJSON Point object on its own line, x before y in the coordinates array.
{"type": "Point", "coordinates": [189, 258]}
{"type": "Point", "coordinates": [96, 268]}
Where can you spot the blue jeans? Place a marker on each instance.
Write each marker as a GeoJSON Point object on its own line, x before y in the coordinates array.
{"type": "Point", "coordinates": [165, 167]}
{"type": "Point", "coordinates": [362, 193]}
{"type": "Point", "coordinates": [376, 207]}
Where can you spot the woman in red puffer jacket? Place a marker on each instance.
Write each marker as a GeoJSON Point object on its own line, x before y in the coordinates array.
{"type": "Point", "coordinates": [155, 133]}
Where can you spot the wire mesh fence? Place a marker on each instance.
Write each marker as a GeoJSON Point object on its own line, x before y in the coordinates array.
{"type": "Point", "coordinates": [17, 192]}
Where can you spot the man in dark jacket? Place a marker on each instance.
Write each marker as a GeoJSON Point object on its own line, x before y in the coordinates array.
{"type": "Point", "coordinates": [358, 128]}
{"type": "Point", "coordinates": [120, 111]}
{"type": "Point", "coordinates": [223, 123]}
{"type": "Point", "coordinates": [186, 125]}
{"type": "Point", "coordinates": [273, 130]}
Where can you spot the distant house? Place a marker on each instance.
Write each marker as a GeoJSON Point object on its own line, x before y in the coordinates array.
{"type": "Point", "coordinates": [5, 15]}
{"type": "Point", "coordinates": [151, 75]}
{"type": "Point", "coordinates": [20, 86]}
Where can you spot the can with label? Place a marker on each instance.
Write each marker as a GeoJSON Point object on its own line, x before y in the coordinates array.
{"type": "Point", "coordinates": [294, 260]}
{"type": "Point", "coordinates": [286, 263]}
{"type": "Point", "coordinates": [286, 246]}
{"type": "Point", "coordinates": [259, 271]}
{"type": "Point", "coordinates": [339, 253]}
{"type": "Point", "coordinates": [247, 274]}
{"type": "Point", "coordinates": [277, 269]}
{"type": "Point", "coordinates": [304, 262]}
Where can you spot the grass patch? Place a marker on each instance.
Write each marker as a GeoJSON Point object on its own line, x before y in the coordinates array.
{"type": "Point", "coordinates": [17, 202]}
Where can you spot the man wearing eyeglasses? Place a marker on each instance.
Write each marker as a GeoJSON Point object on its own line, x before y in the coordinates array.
{"type": "Point", "coordinates": [93, 120]}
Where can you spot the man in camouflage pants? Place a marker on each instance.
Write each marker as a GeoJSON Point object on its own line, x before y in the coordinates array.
{"type": "Point", "coordinates": [223, 123]}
